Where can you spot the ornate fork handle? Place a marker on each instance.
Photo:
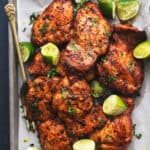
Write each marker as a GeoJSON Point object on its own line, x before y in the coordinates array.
{"type": "Point", "coordinates": [10, 11]}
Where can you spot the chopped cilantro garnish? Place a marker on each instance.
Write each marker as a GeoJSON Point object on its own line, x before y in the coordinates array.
{"type": "Point", "coordinates": [107, 32]}
{"type": "Point", "coordinates": [139, 135]}
{"type": "Point", "coordinates": [100, 120]}
{"type": "Point", "coordinates": [24, 117]}
{"type": "Point", "coordinates": [24, 29]}
{"type": "Point", "coordinates": [52, 73]}
{"type": "Point", "coordinates": [130, 66]}
{"type": "Point", "coordinates": [34, 105]}
{"type": "Point", "coordinates": [43, 29]}
{"type": "Point", "coordinates": [73, 47]}
{"type": "Point", "coordinates": [111, 78]}
{"type": "Point", "coordinates": [71, 111]}
{"type": "Point", "coordinates": [63, 92]}
{"type": "Point", "coordinates": [103, 59]}
{"type": "Point", "coordinates": [33, 17]}
{"type": "Point", "coordinates": [95, 20]}
{"type": "Point", "coordinates": [121, 54]}
{"type": "Point", "coordinates": [79, 5]}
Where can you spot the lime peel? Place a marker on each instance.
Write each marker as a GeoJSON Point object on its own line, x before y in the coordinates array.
{"type": "Point", "coordinates": [84, 144]}
{"type": "Point", "coordinates": [27, 50]}
{"type": "Point", "coordinates": [96, 89]}
{"type": "Point", "coordinates": [108, 7]}
{"type": "Point", "coordinates": [114, 105]}
{"type": "Point", "coordinates": [142, 50]}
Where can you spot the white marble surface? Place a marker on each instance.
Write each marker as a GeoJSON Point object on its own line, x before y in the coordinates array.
{"type": "Point", "coordinates": [141, 114]}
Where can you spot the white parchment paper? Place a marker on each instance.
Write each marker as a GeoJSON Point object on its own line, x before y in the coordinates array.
{"type": "Point", "coordinates": [141, 113]}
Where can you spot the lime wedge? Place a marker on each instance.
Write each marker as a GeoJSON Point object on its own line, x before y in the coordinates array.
{"type": "Point", "coordinates": [142, 50]}
{"type": "Point", "coordinates": [27, 49]}
{"type": "Point", "coordinates": [79, 1]}
{"type": "Point", "coordinates": [84, 144]}
{"type": "Point", "coordinates": [127, 9]}
{"type": "Point", "coordinates": [50, 53]}
{"type": "Point", "coordinates": [108, 8]}
{"type": "Point", "coordinates": [96, 89]}
{"type": "Point", "coordinates": [114, 105]}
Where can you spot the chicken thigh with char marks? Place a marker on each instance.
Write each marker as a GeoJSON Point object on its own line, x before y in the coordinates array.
{"type": "Point", "coordinates": [53, 135]}
{"type": "Point", "coordinates": [39, 97]}
{"type": "Point", "coordinates": [119, 69]}
{"type": "Point", "coordinates": [72, 98]}
{"type": "Point", "coordinates": [91, 39]}
{"type": "Point", "coordinates": [54, 24]}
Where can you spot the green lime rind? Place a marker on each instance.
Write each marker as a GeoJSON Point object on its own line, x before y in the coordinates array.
{"type": "Point", "coordinates": [50, 53]}
{"type": "Point", "coordinates": [96, 89]}
{"type": "Point", "coordinates": [108, 8]}
{"type": "Point", "coordinates": [114, 105]}
{"type": "Point", "coordinates": [127, 9]}
{"type": "Point", "coordinates": [84, 144]}
{"type": "Point", "coordinates": [142, 50]}
{"type": "Point", "coordinates": [27, 50]}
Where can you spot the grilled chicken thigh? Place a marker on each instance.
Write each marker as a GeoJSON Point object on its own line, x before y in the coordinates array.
{"type": "Point", "coordinates": [116, 134]}
{"type": "Point", "coordinates": [39, 96]}
{"type": "Point", "coordinates": [38, 66]}
{"type": "Point", "coordinates": [72, 98]}
{"type": "Point", "coordinates": [91, 39]}
{"type": "Point", "coordinates": [95, 119]}
{"type": "Point", "coordinates": [119, 70]}
{"type": "Point", "coordinates": [92, 29]}
{"type": "Point", "coordinates": [54, 24]}
{"type": "Point", "coordinates": [53, 136]}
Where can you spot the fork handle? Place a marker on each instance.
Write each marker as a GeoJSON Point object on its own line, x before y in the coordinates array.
{"type": "Point", "coordinates": [10, 11]}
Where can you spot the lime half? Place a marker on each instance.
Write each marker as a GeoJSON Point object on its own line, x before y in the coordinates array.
{"type": "Point", "coordinates": [108, 8]}
{"type": "Point", "coordinates": [127, 9]}
{"type": "Point", "coordinates": [96, 89]}
{"type": "Point", "coordinates": [50, 53]}
{"type": "Point", "coordinates": [114, 105]}
{"type": "Point", "coordinates": [142, 50]}
{"type": "Point", "coordinates": [27, 49]}
{"type": "Point", "coordinates": [84, 144]}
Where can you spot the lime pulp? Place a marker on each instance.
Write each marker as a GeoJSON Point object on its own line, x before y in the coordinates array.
{"type": "Point", "coordinates": [50, 53]}
{"type": "Point", "coordinates": [142, 50]}
{"type": "Point", "coordinates": [114, 105]}
{"type": "Point", "coordinates": [127, 9]}
{"type": "Point", "coordinates": [27, 49]}
{"type": "Point", "coordinates": [108, 8]}
{"type": "Point", "coordinates": [84, 144]}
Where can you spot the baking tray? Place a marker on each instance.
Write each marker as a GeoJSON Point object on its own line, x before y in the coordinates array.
{"type": "Point", "coordinates": [141, 113]}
